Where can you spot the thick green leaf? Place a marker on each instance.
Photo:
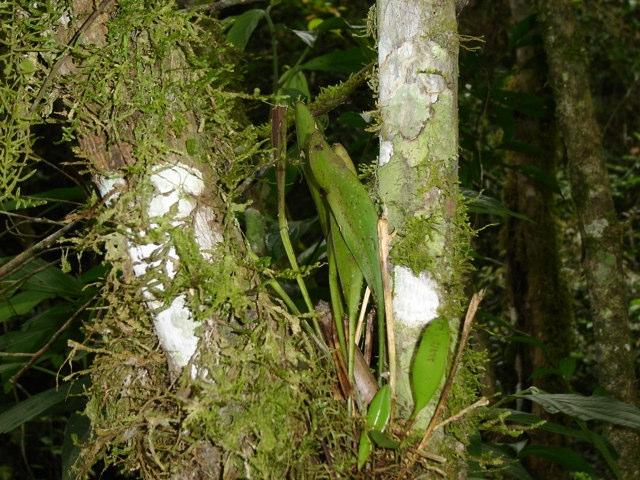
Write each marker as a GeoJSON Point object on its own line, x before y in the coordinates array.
{"type": "Point", "coordinates": [379, 409]}
{"type": "Point", "coordinates": [378, 415]}
{"type": "Point", "coordinates": [330, 175]}
{"type": "Point", "coordinates": [595, 407]}
{"type": "Point", "coordinates": [36, 330]}
{"type": "Point", "coordinates": [568, 458]}
{"type": "Point", "coordinates": [351, 278]}
{"type": "Point", "coordinates": [21, 303]}
{"type": "Point", "coordinates": [243, 27]}
{"type": "Point", "coordinates": [383, 440]}
{"type": "Point", "coordinates": [429, 363]}
{"type": "Point", "coordinates": [340, 61]}
{"type": "Point", "coordinates": [352, 208]}
{"type": "Point", "coordinates": [33, 406]}
{"type": "Point", "coordinates": [364, 449]}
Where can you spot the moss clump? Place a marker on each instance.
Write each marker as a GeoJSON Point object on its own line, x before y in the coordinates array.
{"type": "Point", "coordinates": [413, 248]}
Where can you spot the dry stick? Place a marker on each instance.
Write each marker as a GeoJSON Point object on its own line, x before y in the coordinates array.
{"type": "Point", "coordinates": [383, 236]}
{"type": "Point", "coordinates": [464, 336]}
{"type": "Point", "coordinates": [35, 356]}
{"type": "Point", "coordinates": [368, 339]}
{"type": "Point", "coordinates": [363, 312]}
{"type": "Point", "coordinates": [33, 250]}
{"type": "Point", "coordinates": [483, 402]}
{"type": "Point", "coordinates": [31, 219]}
{"type": "Point", "coordinates": [46, 242]}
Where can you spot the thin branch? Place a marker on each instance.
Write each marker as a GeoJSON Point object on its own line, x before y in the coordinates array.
{"type": "Point", "coordinates": [46, 242]}
{"type": "Point", "coordinates": [33, 250]}
{"type": "Point", "coordinates": [483, 402]}
{"type": "Point", "coordinates": [27, 218]}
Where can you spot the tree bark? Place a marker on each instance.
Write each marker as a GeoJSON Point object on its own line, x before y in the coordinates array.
{"type": "Point", "coordinates": [417, 174]}
{"type": "Point", "coordinates": [599, 228]}
{"type": "Point", "coordinates": [537, 292]}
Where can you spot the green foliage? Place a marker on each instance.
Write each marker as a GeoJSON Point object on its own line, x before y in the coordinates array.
{"type": "Point", "coordinates": [429, 363]}
{"type": "Point", "coordinates": [243, 26]}
{"type": "Point", "coordinates": [585, 408]}
{"type": "Point", "coordinates": [378, 414]}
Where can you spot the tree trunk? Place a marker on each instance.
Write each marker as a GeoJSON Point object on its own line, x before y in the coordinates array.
{"type": "Point", "coordinates": [418, 75]}
{"type": "Point", "coordinates": [537, 293]}
{"type": "Point", "coordinates": [599, 228]}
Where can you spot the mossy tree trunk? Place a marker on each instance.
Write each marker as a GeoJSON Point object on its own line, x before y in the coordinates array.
{"type": "Point", "coordinates": [599, 227]}
{"type": "Point", "coordinates": [198, 372]}
{"type": "Point", "coordinates": [417, 174]}
{"type": "Point", "coordinates": [537, 293]}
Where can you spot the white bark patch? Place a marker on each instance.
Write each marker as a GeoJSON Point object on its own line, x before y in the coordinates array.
{"type": "Point", "coordinates": [106, 185]}
{"type": "Point", "coordinates": [176, 188]}
{"type": "Point", "coordinates": [415, 298]}
{"type": "Point", "coordinates": [175, 329]}
{"type": "Point", "coordinates": [386, 152]}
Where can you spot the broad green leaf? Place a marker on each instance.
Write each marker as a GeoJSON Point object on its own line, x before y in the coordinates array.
{"type": "Point", "coordinates": [340, 61]}
{"type": "Point", "coordinates": [243, 27]}
{"type": "Point", "coordinates": [36, 330]}
{"type": "Point", "coordinates": [10, 367]}
{"type": "Point", "coordinates": [595, 407]}
{"type": "Point", "coordinates": [296, 86]}
{"type": "Point", "coordinates": [39, 275]}
{"type": "Point", "coordinates": [351, 278]}
{"type": "Point", "coordinates": [383, 440]}
{"type": "Point", "coordinates": [429, 363]}
{"type": "Point", "coordinates": [568, 458]}
{"type": "Point", "coordinates": [21, 303]}
{"type": "Point", "coordinates": [33, 406]}
{"type": "Point", "coordinates": [332, 23]}
{"type": "Point", "coordinates": [378, 415]}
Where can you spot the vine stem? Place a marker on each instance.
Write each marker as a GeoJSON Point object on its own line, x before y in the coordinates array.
{"type": "Point", "coordinates": [279, 141]}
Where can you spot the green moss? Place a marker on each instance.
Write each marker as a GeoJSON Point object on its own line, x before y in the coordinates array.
{"type": "Point", "coordinates": [413, 247]}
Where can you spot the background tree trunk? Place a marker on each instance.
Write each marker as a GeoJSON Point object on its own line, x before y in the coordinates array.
{"type": "Point", "coordinates": [537, 293]}
{"type": "Point", "coordinates": [600, 231]}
